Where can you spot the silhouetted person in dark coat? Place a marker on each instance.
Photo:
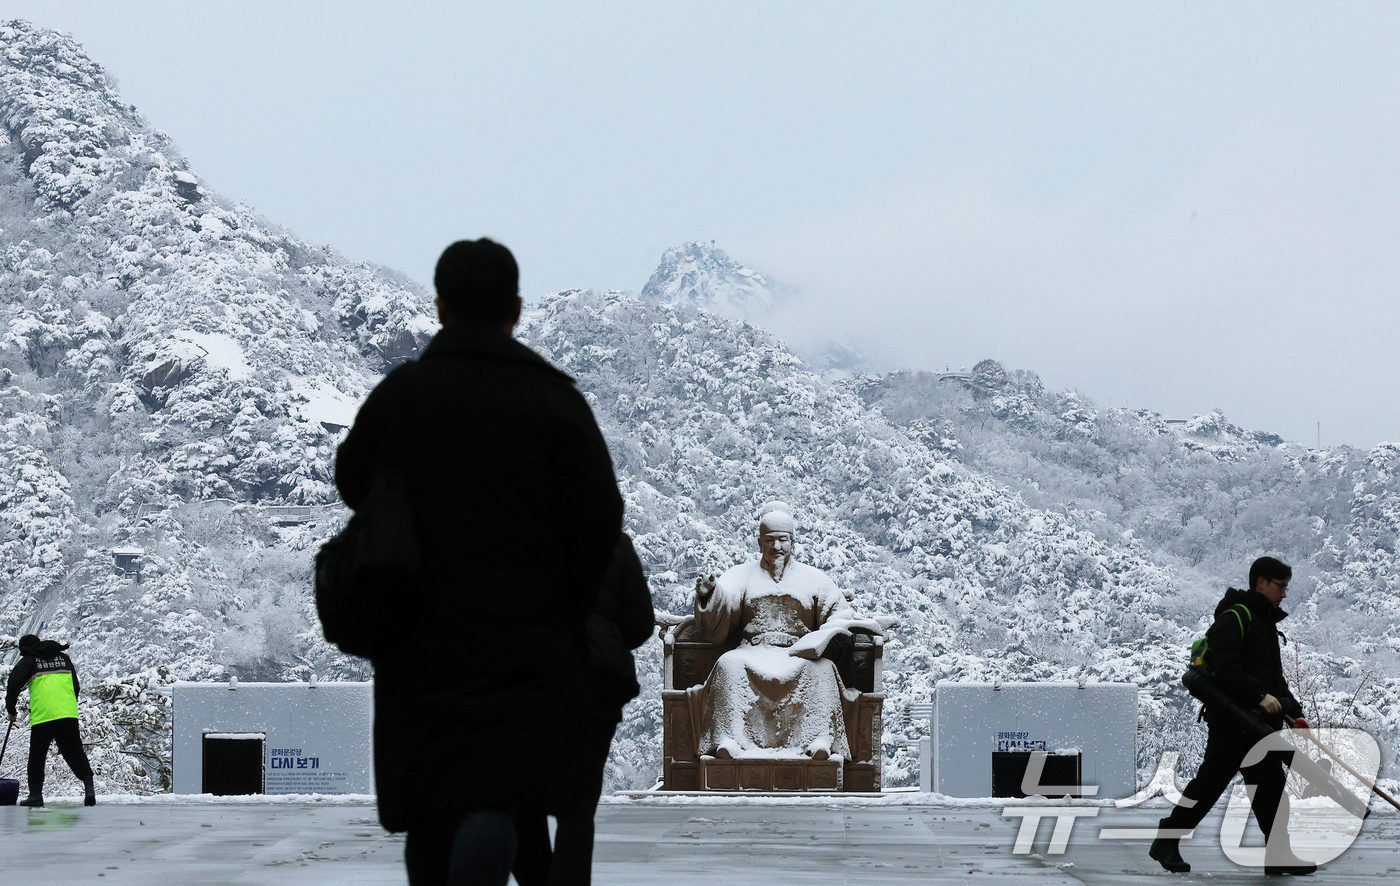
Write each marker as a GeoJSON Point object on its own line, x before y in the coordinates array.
{"type": "Point", "coordinates": [623, 621]}
{"type": "Point", "coordinates": [481, 712]}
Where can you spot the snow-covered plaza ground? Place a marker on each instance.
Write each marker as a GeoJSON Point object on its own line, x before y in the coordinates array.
{"type": "Point", "coordinates": [674, 841]}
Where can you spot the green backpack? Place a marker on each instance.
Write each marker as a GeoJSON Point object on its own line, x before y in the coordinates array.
{"type": "Point", "coordinates": [1200, 650]}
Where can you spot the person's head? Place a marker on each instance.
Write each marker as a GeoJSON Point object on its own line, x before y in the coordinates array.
{"type": "Point", "coordinates": [477, 283]}
{"type": "Point", "coordinates": [776, 532]}
{"type": "Point", "coordinates": [1270, 577]}
{"type": "Point", "coordinates": [27, 642]}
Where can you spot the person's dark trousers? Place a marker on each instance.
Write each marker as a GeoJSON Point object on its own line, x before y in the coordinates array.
{"type": "Point", "coordinates": [1226, 747]}
{"type": "Point", "coordinates": [475, 850]}
{"type": "Point", "coordinates": [70, 745]}
{"type": "Point", "coordinates": [571, 862]}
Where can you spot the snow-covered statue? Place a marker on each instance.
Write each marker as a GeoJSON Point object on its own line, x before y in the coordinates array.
{"type": "Point", "coordinates": [779, 689]}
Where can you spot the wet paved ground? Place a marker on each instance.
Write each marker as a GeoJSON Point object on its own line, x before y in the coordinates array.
{"type": "Point", "coordinates": [165, 844]}
{"type": "Point", "coordinates": [816, 845]}
{"type": "Point", "coordinates": [165, 841]}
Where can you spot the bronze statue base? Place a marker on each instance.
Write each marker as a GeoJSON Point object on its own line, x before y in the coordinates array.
{"type": "Point", "coordinates": [801, 774]}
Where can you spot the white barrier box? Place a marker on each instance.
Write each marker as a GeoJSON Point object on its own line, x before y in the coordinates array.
{"type": "Point", "coordinates": [979, 727]}
{"type": "Point", "coordinates": [273, 738]}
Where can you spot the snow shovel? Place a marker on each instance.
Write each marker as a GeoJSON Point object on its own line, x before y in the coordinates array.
{"type": "Point", "coordinates": [9, 787]}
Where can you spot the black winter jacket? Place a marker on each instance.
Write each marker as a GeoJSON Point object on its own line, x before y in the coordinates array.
{"type": "Point", "coordinates": [44, 657]}
{"type": "Point", "coordinates": [517, 510]}
{"type": "Point", "coordinates": [1248, 664]}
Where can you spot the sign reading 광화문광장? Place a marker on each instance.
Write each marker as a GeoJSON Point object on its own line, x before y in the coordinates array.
{"type": "Point", "coordinates": [1019, 741]}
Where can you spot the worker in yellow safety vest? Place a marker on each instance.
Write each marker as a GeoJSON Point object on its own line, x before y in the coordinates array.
{"type": "Point", "coordinates": [53, 712]}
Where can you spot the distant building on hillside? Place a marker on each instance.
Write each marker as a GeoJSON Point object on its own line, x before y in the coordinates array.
{"type": "Point", "coordinates": [127, 561]}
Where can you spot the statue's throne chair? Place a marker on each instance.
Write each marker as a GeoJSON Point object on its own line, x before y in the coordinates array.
{"type": "Point", "coordinates": [688, 660]}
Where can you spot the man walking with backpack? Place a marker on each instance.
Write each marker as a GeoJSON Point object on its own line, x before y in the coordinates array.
{"type": "Point", "coordinates": [1243, 661]}
{"type": "Point", "coordinates": [53, 712]}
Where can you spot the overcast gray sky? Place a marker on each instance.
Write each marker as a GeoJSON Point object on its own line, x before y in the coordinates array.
{"type": "Point", "coordinates": [1174, 205]}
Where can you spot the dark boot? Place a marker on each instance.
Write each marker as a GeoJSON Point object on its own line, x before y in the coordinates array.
{"type": "Point", "coordinates": [1167, 852]}
{"type": "Point", "coordinates": [90, 792]}
{"type": "Point", "coordinates": [34, 799]}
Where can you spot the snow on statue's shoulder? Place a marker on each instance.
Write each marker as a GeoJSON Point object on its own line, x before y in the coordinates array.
{"type": "Point", "coordinates": [799, 580]}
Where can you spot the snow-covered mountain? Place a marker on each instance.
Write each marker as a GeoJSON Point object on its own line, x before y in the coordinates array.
{"type": "Point", "coordinates": [706, 277]}
{"type": "Point", "coordinates": [170, 364]}
{"type": "Point", "coordinates": [174, 369]}
{"type": "Point", "coordinates": [1203, 495]}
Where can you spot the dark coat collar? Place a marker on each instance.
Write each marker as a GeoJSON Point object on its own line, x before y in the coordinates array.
{"type": "Point", "coordinates": [1258, 604]}
{"type": "Point", "coordinates": [492, 342]}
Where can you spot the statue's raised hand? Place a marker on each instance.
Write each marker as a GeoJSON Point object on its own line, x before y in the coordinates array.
{"type": "Point", "coordinates": [704, 587]}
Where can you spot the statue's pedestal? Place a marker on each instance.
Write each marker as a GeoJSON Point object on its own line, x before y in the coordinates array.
{"type": "Point", "coordinates": [687, 663]}
{"type": "Point", "coordinates": [763, 774]}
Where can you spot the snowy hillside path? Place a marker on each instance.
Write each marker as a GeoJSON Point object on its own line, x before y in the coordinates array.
{"type": "Point", "coordinates": [710, 844]}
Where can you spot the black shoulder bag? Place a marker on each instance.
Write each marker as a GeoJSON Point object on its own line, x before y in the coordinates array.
{"type": "Point", "coordinates": [365, 573]}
